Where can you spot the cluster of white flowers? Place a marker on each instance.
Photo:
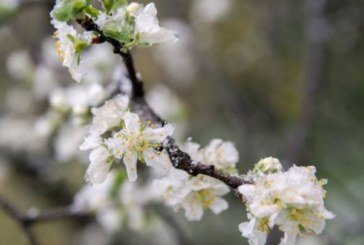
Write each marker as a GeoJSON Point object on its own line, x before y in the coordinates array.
{"type": "Point", "coordinates": [131, 24]}
{"type": "Point", "coordinates": [143, 29]}
{"type": "Point", "coordinates": [291, 200]}
{"type": "Point", "coordinates": [115, 202]}
{"type": "Point", "coordinates": [129, 140]}
{"type": "Point", "coordinates": [194, 194]}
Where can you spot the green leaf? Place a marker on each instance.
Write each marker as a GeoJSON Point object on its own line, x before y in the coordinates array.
{"type": "Point", "coordinates": [68, 9]}
{"type": "Point", "coordinates": [110, 5]}
{"type": "Point", "coordinates": [122, 36]}
{"type": "Point", "coordinates": [92, 12]}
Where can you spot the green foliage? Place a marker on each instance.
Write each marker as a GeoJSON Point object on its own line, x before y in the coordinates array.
{"type": "Point", "coordinates": [124, 33]}
{"type": "Point", "coordinates": [110, 5]}
{"type": "Point", "coordinates": [69, 9]}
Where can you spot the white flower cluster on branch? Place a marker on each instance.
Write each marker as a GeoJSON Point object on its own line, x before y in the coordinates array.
{"type": "Point", "coordinates": [293, 200]}
{"type": "Point", "coordinates": [193, 178]}
{"type": "Point", "coordinates": [117, 134]}
{"type": "Point", "coordinates": [194, 194]}
{"type": "Point", "coordinates": [131, 24]}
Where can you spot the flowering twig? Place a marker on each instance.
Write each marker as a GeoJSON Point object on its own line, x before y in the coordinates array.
{"type": "Point", "coordinates": [27, 219]}
{"type": "Point", "coordinates": [180, 159]}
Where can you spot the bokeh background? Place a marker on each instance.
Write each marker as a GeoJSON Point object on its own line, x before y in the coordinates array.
{"type": "Point", "coordinates": [278, 78]}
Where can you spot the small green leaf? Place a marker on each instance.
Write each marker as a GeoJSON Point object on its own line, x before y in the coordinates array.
{"type": "Point", "coordinates": [68, 9]}
{"type": "Point", "coordinates": [110, 5]}
{"type": "Point", "coordinates": [92, 12]}
{"type": "Point", "coordinates": [121, 36]}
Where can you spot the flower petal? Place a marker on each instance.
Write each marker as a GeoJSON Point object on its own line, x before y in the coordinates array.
{"type": "Point", "coordinates": [193, 210]}
{"type": "Point", "coordinates": [130, 161]}
{"type": "Point", "coordinates": [159, 161]}
{"type": "Point", "coordinates": [132, 123]}
{"type": "Point", "coordinates": [219, 205]}
{"type": "Point", "coordinates": [99, 167]}
{"type": "Point", "coordinates": [158, 134]}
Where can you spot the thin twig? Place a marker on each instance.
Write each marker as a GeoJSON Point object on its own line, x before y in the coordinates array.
{"type": "Point", "coordinates": [27, 219]}
{"type": "Point", "coordinates": [16, 216]}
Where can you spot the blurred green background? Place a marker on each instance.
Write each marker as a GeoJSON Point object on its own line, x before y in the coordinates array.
{"type": "Point", "coordinates": [278, 78]}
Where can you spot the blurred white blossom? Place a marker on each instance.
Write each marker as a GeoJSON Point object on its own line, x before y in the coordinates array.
{"type": "Point", "coordinates": [19, 135]}
{"type": "Point", "coordinates": [66, 143]}
{"type": "Point", "coordinates": [183, 70]}
{"type": "Point", "coordinates": [166, 104]}
{"type": "Point", "coordinates": [115, 203]}
{"type": "Point", "coordinates": [210, 10]}
{"type": "Point", "coordinates": [8, 5]}
{"type": "Point", "coordinates": [20, 66]}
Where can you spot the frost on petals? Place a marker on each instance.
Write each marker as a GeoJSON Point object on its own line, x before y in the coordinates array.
{"type": "Point", "coordinates": [69, 45]}
{"type": "Point", "coordinates": [292, 200]}
{"type": "Point", "coordinates": [193, 194]}
{"type": "Point", "coordinates": [108, 116]}
{"type": "Point", "coordinates": [222, 154]}
{"type": "Point", "coordinates": [126, 137]}
{"type": "Point", "coordinates": [99, 165]}
{"type": "Point", "coordinates": [196, 194]}
{"type": "Point", "coordinates": [147, 27]}
{"type": "Point", "coordinates": [138, 141]}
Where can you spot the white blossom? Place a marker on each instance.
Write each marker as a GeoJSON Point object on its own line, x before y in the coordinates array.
{"type": "Point", "coordinates": [20, 65]}
{"type": "Point", "coordinates": [94, 197]}
{"type": "Point", "coordinates": [67, 141]}
{"type": "Point", "coordinates": [193, 194]}
{"type": "Point", "coordinates": [182, 71]}
{"type": "Point", "coordinates": [46, 124]}
{"type": "Point", "coordinates": [223, 155]}
{"type": "Point", "coordinates": [110, 114]}
{"type": "Point", "coordinates": [166, 104]}
{"type": "Point", "coordinates": [112, 208]}
{"type": "Point", "coordinates": [268, 165]}
{"type": "Point", "coordinates": [99, 165]}
{"type": "Point", "coordinates": [45, 80]}
{"type": "Point", "coordinates": [292, 200]}
{"type": "Point", "coordinates": [116, 21]}
{"type": "Point", "coordinates": [18, 134]}
{"type": "Point", "coordinates": [66, 47]}
{"type": "Point", "coordinates": [77, 97]}
{"type": "Point", "coordinates": [255, 230]}
{"type": "Point", "coordinates": [106, 117]}
{"type": "Point", "coordinates": [210, 10]}
{"type": "Point", "coordinates": [148, 29]}
{"type": "Point", "coordinates": [138, 141]}
{"type": "Point", "coordinates": [133, 200]}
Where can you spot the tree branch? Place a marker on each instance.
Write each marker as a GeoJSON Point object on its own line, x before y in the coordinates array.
{"type": "Point", "coordinates": [27, 219]}
{"type": "Point", "coordinates": [180, 159]}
